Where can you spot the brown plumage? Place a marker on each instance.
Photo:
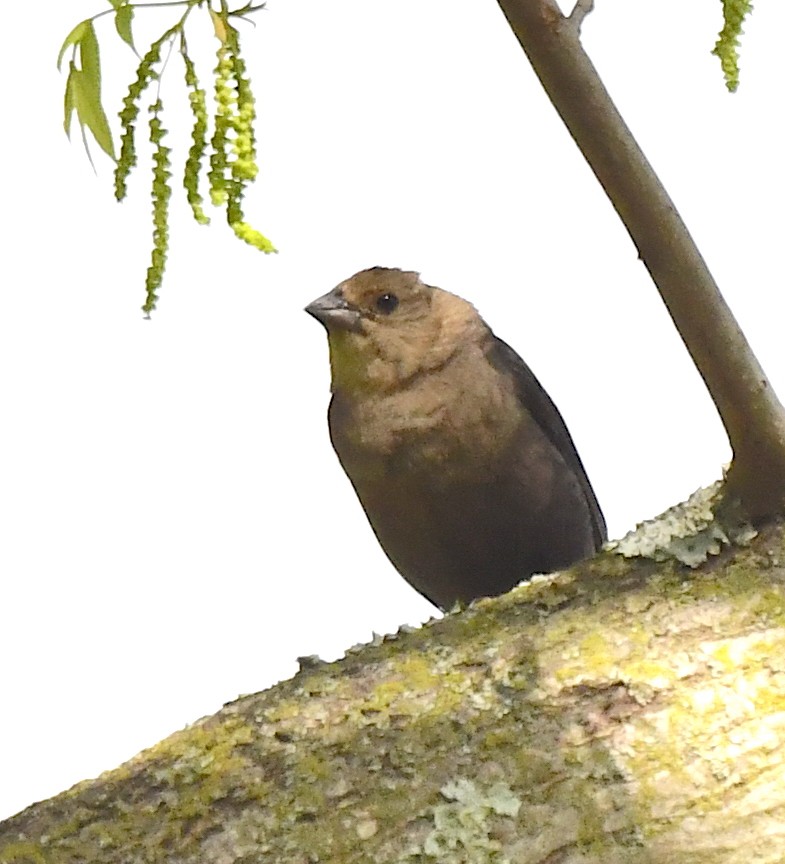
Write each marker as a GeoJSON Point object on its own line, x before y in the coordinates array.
{"type": "Point", "coordinates": [461, 461]}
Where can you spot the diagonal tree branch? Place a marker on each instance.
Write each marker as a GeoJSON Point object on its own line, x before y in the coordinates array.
{"type": "Point", "coordinates": [748, 406]}
{"type": "Point", "coordinates": [598, 716]}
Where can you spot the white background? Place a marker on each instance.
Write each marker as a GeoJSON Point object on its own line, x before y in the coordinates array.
{"type": "Point", "coordinates": [175, 529]}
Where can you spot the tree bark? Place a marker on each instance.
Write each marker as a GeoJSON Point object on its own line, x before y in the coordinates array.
{"type": "Point", "coordinates": [748, 406]}
{"type": "Point", "coordinates": [622, 711]}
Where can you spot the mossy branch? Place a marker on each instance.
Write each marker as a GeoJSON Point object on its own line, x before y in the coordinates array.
{"type": "Point", "coordinates": [622, 712]}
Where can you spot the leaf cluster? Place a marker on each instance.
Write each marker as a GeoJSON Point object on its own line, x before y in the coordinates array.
{"type": "Point", "coordinates": [83, 86]}
{"type": "Point", "coordinates": [230, 152]}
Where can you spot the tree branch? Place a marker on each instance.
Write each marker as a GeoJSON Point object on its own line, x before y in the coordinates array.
{"type": "Point", "coordinates": [597, 716]}
{"type": "Point", "coordinates": [750, 410]}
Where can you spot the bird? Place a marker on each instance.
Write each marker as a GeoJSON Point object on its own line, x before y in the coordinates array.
{"type": "Point", "coordinates": [462, 463]}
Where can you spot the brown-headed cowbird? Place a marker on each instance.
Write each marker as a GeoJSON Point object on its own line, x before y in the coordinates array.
{"type": "Point", "coordinates": [461, 461]}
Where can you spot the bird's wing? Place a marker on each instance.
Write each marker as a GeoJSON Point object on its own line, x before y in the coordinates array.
{"type": "Point", "coordinates": [539, 404]}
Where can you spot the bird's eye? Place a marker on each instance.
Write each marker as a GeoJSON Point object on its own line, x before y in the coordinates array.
{"type": "Point", "coordinates": [386, 303]}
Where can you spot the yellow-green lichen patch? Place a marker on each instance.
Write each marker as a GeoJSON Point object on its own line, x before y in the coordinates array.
{"type": "Point", "coordinates": [202, 763]}
{"type": "Point", "coordinates": [413, 687]}
{"type": "Point", "coordinates": [22, 853]}
{"type": "Point", "coordinates": [616, 651]}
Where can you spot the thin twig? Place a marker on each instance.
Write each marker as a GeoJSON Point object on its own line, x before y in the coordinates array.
{"type": "Point", "coordinates": [579, 12]}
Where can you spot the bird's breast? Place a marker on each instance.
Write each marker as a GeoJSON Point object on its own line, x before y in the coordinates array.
{"type": "Point", "coordinates": [429, 428]}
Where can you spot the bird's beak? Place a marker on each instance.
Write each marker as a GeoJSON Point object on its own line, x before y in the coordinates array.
{"type": "Point", "coordinates": [335, 313]}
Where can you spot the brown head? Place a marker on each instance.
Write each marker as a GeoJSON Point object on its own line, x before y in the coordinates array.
{"type": "Point", "coordinates": [385, 326]}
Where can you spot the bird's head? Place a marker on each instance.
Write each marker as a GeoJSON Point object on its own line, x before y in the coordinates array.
{"type": "Point", "coordinates": [385, 326]}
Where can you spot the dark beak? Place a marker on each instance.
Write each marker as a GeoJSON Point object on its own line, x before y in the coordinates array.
{"type": "Point", "coordinates": [335, 313]}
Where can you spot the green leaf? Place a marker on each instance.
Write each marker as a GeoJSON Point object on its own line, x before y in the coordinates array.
{"type": "Point", "coordinates": [70, 98]}
{"type": "Point", "coordinates": [122, 22]}
{"type": "Point", "coordinates": [73, 92]}
{"type": "Point", "coordinates": [116, 4]}
{"type": "Point", "coordinates": [74, 38]}
{"type": "Point", "coordinates": [90, 56]}
{"type": "Point", "coordinates": [87, 100]}
{"type": "Point", "coordinates": [83, 87]}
